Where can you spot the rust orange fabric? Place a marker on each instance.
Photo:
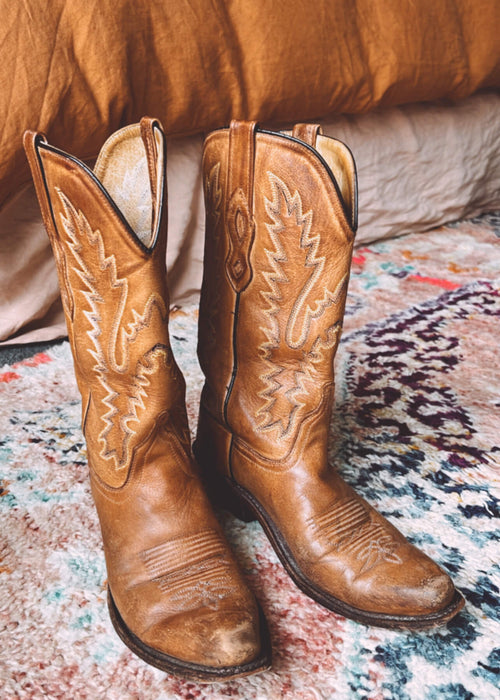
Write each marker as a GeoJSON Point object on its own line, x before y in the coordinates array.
{"type": "Point", "coordinates": [79, 71]}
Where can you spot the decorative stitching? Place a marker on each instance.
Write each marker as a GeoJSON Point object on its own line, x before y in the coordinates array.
{"type": "Point", "coordinates": [348, 528]}
{"type": "Point", "coordinates": [240, 228]}
{"type": "Point", "coordinates": [286, 387]}
{"type": "Point", "coordinates": [213, 194]}
{"type": "Point", "coordinates": [108, 288]}
{"type": "Point", "coordinates": [192, 570]}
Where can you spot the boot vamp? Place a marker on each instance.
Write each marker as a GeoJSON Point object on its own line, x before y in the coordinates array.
{"type": "Point", "coordinates": [343, 546]}
{"type": "Point", "coordinates": [171, 573]}
{"type": "Point", "coordinates": [370, 565]}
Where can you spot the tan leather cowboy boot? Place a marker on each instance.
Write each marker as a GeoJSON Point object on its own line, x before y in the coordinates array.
{"type": "Point", "coordinates": [281, 217]}
{"type": "Point", "coordinates": [176, 596]}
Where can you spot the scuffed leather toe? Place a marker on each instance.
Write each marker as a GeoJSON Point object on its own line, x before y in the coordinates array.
{"type": "Point", "coordinates": [432, 594]}
{"type": "Point", "coordinates": [213, 639]}
{"type": "Point", "coordinates": [204, 645]}
{"type": "Point", "coordinates": [410, 588]}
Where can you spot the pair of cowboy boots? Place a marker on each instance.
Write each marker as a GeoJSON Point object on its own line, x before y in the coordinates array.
{"type": "Point", "coordinates": [281, 218]}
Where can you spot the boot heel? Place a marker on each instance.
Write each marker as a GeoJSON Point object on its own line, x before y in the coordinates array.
{"type": "Point", "coordinates": [219, 489]}
{"type": "Point", "coordinates": [229, 499]}
{"type": "Point", "coordinates": [211, 450]}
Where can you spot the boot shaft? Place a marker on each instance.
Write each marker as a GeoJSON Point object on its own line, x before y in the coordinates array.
{"type": "Point", "coordinates": [281, 218]}
{"type": "Point", "coordinates": [108, 232]}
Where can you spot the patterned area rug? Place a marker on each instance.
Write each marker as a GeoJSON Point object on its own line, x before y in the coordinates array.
{"type": "Point", "coordinates": [415, 431]}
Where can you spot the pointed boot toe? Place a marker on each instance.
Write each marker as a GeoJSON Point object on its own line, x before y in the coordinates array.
{"type": "Point", "coordinates": [221, 639]}
{"type": "Point", "coordinates": [203, 644]}
{"type": "Point", "coordinates": [412, 594]}
{"type": "Point", "coordinates": [419, 590]}
{"type": "Point", "coordinates": [423, 590]}
{"type": "Point", "coordinates": [234, 639]}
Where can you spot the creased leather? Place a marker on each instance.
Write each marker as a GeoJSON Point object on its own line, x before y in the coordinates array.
{"type": "Point", "coordinates": [171, 573]}
{"type": "Point", "coordinates": [269, 391]}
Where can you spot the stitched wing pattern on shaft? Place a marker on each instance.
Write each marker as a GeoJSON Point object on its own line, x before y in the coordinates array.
{"type": "Point", "coordinates": [125, 352]}
{"type": "Point", "coordinates": [300, 336]}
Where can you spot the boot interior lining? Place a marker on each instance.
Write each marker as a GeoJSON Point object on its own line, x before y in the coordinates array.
{"type": "Point", "coordinates": [122, 168]}
{"type": "Point", "coordinates": [341, 164]}
{"type": "Point", "coordinates": [340, 161]}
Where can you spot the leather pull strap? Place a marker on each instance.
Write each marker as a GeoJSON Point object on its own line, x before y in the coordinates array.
{"type": "Point", "coordinates": [31, 142]}
{"type": "Point", "coordinates": [31, 139]}
{"type": "Point", "coordinates": [240, 226]}
{"type": "Point", "coordinates": [307, 133]}
{"type": "Point", "coordinates": [147, 133]}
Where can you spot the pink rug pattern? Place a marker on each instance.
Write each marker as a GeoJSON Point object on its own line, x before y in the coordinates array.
{"type": "Point", "coordinates": [415, 431]}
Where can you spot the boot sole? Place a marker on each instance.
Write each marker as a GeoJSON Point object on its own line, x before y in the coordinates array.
{"type": "Point", "coordinates": [230, 496]}
{"type": "Point", "coordinates": [185, 669]}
